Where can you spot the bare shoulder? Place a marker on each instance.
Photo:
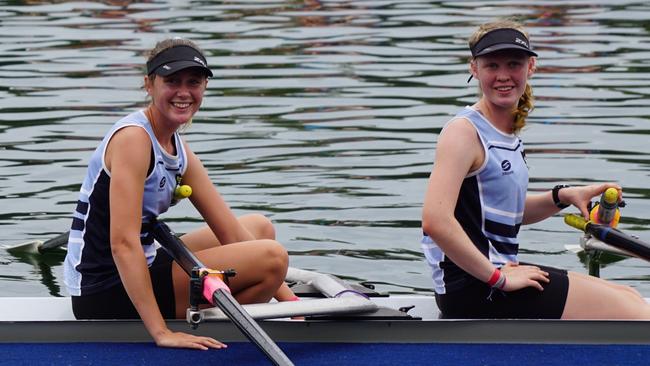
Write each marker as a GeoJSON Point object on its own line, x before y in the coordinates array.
{"type": "Point", "coordinates": [459, 133]}
{"type": "Point", "coordinates": [459, 145]}
{"type": "Point", "coordinates": [131, 135]}
{"type": "Point", "coordinates": [130, 145]}
{"type": "Point", "coordinates": [459, 128]}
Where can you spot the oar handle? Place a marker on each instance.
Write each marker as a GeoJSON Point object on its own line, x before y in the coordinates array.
{"type": "Point", "coordinates": [576, 221]}
{"type": "Point", "coordinates": [210, 285]}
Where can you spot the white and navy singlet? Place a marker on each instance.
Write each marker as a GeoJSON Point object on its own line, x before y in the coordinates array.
{"type": "Point", "coordinates": [89, 267]}
{"type": "Point", "coordinates": [490, 205]}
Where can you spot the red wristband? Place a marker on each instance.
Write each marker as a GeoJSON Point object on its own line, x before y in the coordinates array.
{"type": "Point", "coordinates": [494, 278]}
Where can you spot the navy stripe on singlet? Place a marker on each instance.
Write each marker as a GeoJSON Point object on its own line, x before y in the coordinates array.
{"type": "Point", "coordinates": [505, 248]}
{"type": "Point", "coordinates": [500, 229]}
{"type": "Point", "coordinates": [505, 148]}
{"type": "Point", "coordinates": [77, 224]}
{"type": "Point", "coordinates": [82, 207]}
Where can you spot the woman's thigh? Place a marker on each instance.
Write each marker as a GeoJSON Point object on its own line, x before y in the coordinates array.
{"type": "Point", "coordinates": [594, 298]}
{"type": "Point", "coordinates": [479, 301]}
{"type": "Point", "coordinates": [203, 238]}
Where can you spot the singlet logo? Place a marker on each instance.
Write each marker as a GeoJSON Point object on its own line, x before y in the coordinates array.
{"type": "Point", "coordinates": [162, 182]}
{"type": "Point", "coordinates": [505, 167]}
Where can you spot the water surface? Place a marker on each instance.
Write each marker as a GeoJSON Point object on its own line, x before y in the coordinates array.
{"type": "Point", "coordinates": [323, 115]}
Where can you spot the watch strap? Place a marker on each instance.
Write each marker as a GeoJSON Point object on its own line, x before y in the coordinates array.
{"type": "Point", "coordinates": [556, 196]}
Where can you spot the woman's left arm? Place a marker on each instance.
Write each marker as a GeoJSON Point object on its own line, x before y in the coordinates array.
{"type": "Point", "coordinates": [212, 207]}
{"type": "Point", "coordinates": [217, 214]}
{"type": "Point", "coordinates": [541, 206]}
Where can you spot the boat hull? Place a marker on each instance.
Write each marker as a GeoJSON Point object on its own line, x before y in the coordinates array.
{"type": "Point", "coordinates": [43, 320]}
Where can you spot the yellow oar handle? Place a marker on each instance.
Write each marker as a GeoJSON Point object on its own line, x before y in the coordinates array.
{"type": "Point", "coordinates": [576, 221]}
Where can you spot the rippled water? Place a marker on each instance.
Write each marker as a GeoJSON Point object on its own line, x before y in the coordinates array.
{"type": "Point", "coordinates": [322, 115]}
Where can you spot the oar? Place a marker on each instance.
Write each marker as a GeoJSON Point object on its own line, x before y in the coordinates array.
{"type": "Point", "coordinates": [39, 246]}
{"type": "Point", "coordinates": [611, 236]}
{"type": "Point", "coordinates": [217, 293]}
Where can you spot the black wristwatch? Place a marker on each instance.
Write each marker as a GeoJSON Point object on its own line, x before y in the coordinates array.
{"type": "Point", "coordinates": [556, 196]}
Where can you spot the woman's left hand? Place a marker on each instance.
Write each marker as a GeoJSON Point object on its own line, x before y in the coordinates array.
{"type": "Point", "coordinates": [581, 196]}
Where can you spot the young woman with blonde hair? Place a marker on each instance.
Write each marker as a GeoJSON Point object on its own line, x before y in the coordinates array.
{"type": "Point", "coordinates": [477, 199]}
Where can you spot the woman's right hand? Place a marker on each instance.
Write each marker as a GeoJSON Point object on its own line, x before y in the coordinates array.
{"type": "Point", "coordinates": [520, 276]}
{"type": "Point", "coordinates": [184, 340]}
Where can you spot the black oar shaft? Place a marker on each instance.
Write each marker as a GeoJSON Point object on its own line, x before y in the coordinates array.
{"type": "Point", "coordinates": [224, 300]}
{"type": "Point", "coordinates": [620, 240]}
{"type": "Point", "coordinates": [54, 243]}
{"type": "Point", "coordinates": [249, 327]}
{"type": "Point", "coordinates": [176, 248]}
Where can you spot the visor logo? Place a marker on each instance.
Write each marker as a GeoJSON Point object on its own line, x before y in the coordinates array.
{"type": "Point", "coordinates": [197, 59]}
{"type": "Point", "coordinates": [521, 42]}
{"type": "Point", "coordinates": [166, 67]}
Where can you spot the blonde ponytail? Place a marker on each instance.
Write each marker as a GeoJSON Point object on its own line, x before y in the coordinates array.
{"type": "Point", "coordinates": [524, 107]}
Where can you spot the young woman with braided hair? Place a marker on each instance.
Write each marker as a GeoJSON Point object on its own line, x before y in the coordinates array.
{"type": "Point", "coordinates": [477, 199]}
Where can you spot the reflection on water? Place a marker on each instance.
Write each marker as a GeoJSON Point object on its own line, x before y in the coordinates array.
{"type": "Point", "coordinates": [323, 115]}
{"type": "Point", "coordinates": [40, 269]}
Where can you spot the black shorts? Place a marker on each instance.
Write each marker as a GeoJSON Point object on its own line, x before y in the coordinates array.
{"type": "Point", "coordinates": [114, 303]}
{"type": "Point", "coordinates": [480, 301]}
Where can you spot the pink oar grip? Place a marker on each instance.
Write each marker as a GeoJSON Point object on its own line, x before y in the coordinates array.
{"type": "Point", "coordinates": [211, 285]}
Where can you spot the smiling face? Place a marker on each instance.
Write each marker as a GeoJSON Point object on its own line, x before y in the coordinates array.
{"type": "Point", "coordinates": [177, 97]}
{"type": "Point", "coordinates": [502, 76]}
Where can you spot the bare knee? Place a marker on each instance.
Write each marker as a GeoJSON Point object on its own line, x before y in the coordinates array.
{"type": "Point", "coordinates": [632, 291]}
{"type": "Point", "coordinates": [267, 230]}
{"type": "Point", "coordinates": [259, 225]}
{"type": "Point", "coordinates": [633, 306]}
{"type": "Point", "coordinates": [277, 259]}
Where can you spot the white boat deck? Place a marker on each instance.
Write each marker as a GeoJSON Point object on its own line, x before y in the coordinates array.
{"type": "Point", "coordinates": [37, 309]}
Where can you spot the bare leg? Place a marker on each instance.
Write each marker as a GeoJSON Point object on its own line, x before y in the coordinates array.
{"type": "Point", "coordinates": [611, 284]}
{"type": "Point", "coordinates": [258, 225]}
{"type": "Point", "coordinates": [261, 267]}
{"type": "Point", "coordinates": [257, 263]}
{"type": "Point", "coordinates": [594, 298]}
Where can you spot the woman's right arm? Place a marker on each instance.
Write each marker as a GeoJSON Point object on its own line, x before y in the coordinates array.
{"type": "Point", "coordinates": [458, 152]}
{"type": "Point", "coordinates": [127, 158]}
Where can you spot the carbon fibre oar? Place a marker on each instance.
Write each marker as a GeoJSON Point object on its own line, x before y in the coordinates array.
{"type": "Point", "coordinates": [611, 236]}
{"type": "Point", "coordinates": [39, 246]}
{"type": "Point", "coordinates": [217, 293]}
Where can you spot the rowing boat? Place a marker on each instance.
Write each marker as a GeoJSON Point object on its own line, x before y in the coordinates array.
{"type": "Point", "coordinates": [402, 329]}
{"type": "Point", "coordinates": [336, 319]}
{"type": "Point", "coordinates": [347, 320]}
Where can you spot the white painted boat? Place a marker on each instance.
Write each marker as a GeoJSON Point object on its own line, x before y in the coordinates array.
{"type": "Point", "coordinates": [349, 317]}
